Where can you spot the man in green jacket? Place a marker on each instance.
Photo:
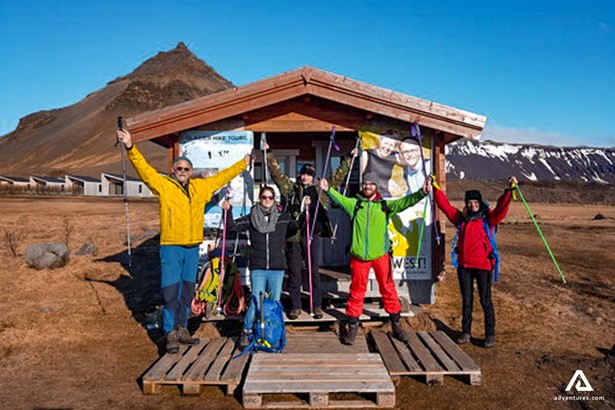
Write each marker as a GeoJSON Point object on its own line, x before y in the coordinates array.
{"type": "Point", "coordinates": [182, 213]}
{"type": "Point", "coordinates": [370, 249]}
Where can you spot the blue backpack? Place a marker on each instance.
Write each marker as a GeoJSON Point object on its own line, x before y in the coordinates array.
{"type": "Point", "coordinates": [269, 332]}
{"type": "Point", "coordinates": [495, 255]}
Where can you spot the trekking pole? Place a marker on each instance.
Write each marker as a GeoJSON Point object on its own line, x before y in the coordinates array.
{"type": "Point", "coordinates": [334, 235]}
{"type": "Point", "coordinates": [418, 248]}
{"type": "Point", "coordinates": [120, 126]}
{"type": "Point", "coordinates": [415, 131]}
{"type": "Point", "coordinates": [222, 255]}
{"type": "Point", "coordinates": [324, 173]}
{"type": "Point", "coordinates": [544, 240]}
{"type": "Point", "coordinates": [263, 142]}
{"type": "Point", "coordinates": [309, 250]}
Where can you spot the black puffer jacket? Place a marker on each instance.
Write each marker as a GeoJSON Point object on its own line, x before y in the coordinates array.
{"type": "Point", "coordinates": [267, 250]}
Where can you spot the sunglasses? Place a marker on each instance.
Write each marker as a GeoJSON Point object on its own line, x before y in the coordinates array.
{"type": "Point", "coordinates": [268, 197]}
{"type": "Point", "coordinates": [185, 169]}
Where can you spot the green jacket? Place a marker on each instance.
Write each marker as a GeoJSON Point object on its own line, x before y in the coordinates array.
{"type": "Point", "coordinates": [370, 237]}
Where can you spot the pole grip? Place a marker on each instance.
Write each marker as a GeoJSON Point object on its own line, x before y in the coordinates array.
{"type": "Point", "coordinates": [120, 123]}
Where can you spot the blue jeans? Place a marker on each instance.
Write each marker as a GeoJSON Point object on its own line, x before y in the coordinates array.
{"type": "Point", "coordinates": [178, 266]}
{"type": "Point", "coordinates": [262, 280]}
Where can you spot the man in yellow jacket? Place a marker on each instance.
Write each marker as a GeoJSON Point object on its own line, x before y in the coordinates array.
{"type": "Point", "coordinates": [182, 212]}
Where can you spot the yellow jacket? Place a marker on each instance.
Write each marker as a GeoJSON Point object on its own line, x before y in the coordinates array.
{"type": "Point", "coordinates": [181, 215]}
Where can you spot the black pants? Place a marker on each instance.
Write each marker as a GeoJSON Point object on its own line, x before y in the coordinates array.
{"type": "Point", "coordinates": [466, 285]}
{"type": "Point", "coordinates": [297, 254]}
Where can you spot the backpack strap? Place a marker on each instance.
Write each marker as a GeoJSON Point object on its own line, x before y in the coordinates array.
{"type": "Point", "coordinates": [495, 255]}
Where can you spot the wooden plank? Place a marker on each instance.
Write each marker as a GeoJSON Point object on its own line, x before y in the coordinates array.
{"type": "Point", "coordinates": [197, 371]}
{"type": "Point", "coordinates": [234, 370]}
{"type": "Point", "coordinates": [220, 361]}
{"type": "Point", "coordinates": [333, 404]}
{"type": "Point", "coordinates": [326, 386]}
{"type": "Point", "coordinates": [389, 354]}
{"type": "Point", "coordinates": [190, 356]}
{"type": "Point", "coordinates": [448, 363]}
{"type": "Point", "coordinates": [425, 358]}
{"type": "Point", "coordinates": [462, 359]}
{"type": "Point", "coordinates": [252, 400]}
{"type": "Point", "coordinates": [406, 356]}
{"type": "Point", "coordinates": [163, 365]}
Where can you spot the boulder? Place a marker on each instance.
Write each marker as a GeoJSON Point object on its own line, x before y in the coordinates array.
{"type": "Point", "coordinates": [47, 255]}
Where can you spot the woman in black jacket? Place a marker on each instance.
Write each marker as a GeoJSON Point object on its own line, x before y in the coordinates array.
{"type": "Point", "coordinates": [268, 229]}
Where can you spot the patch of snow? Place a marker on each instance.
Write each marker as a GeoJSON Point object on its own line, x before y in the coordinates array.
{"type": "Point", "coordinates": [531, 177]}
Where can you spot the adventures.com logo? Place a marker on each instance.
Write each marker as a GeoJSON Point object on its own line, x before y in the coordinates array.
{"type": "Point", "coordinates": [579, 382]}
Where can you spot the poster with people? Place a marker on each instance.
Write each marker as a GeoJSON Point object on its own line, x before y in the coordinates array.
{"type": "Point", "coordinates": [211, 151]}
{"type": "Point", "coordinates": [396, 158]}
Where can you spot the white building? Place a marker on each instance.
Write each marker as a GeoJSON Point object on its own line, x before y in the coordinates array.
{"type": "Point", "coordinates": [83, 185]}
{"type": "Point", "coordinates": [113, 185]}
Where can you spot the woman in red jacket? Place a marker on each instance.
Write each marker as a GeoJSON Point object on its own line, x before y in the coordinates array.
{"type": "Point", "coordinates": [474, 254]}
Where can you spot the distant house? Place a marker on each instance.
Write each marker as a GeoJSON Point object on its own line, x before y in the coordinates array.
{"type": "Point", "coordinates": [47, 184]}
{"type": "Point", "coordinates": [83, 185]}
{"type": "Point", "coordinates": [14, 181]}
{"type": "Point", "coordinates": [113, 184]}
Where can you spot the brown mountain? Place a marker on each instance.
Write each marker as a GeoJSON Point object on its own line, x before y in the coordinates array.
{"type": "Point", "coordinates": [79, 139]}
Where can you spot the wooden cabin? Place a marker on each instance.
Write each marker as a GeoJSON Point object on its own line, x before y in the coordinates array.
{"type": "Point", "coordinates": [298, 110]}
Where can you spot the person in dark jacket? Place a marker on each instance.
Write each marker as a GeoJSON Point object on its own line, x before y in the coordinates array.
{"type": "Point", "coordinates": [268, 228]}
{"type": "Point", "coordinates": [292, 198]}
{"type": "Point", "coordinates": [474, 253]}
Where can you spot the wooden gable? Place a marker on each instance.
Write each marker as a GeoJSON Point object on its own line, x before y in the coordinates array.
{"type": "Point", "coordinates": [303, 100]}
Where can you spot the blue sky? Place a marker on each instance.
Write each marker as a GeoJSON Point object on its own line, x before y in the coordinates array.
{"type": "Point", "coordinates": [541, 71]}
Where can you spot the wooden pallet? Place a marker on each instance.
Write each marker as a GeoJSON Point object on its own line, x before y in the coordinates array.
{"type": "Point", "coordinates": [430, 354]}
{"type": "Point", "coordinates": [208, 363]}
{"type": "Point", "coordinates": [318, 375]}
{"type": "Point", "coordinates": [319, 342]}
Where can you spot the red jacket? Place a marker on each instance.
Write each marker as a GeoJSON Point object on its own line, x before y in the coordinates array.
{"type": "Point", "coordinates": [473, 245]}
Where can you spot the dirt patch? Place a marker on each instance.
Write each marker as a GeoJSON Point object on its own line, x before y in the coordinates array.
{"type": "Point", "coordinates": [76, 337]}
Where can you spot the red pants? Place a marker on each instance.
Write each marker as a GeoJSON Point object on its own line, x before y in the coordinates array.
{"type": "Point", "coordinates": [359, 270]}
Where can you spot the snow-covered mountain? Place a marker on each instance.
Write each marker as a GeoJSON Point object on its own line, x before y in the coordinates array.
{"type": "Point", "coordinates": [467, 159]}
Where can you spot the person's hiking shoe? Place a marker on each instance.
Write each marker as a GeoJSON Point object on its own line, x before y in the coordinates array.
{"type": "Point", "coordinates": [351, 333]}
{"type": "Point", "coordinates": [244, 339]}
{"type": "Point", "coordinates": [318, 313]}
{"type": "Point", "coordinates": [172, 345]}
{"type": "Point", "coordinates": [464, 338]}
{"type": "Point", "coordinates": [489, 342]}
{"type": "Point", "coordinates": [293, 314]}
{"type": "Point", "coordinates": [399, 333]}
{"type": "Point", "coordinates": [184, 337]}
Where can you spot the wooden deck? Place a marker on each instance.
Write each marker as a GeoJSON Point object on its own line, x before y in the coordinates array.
{"type": "Point", "coordinates": [429, 354]}
{"type": "Point", "coordinates": [208, 363]}
{"type": "Point", "coordinates": [319, 376]}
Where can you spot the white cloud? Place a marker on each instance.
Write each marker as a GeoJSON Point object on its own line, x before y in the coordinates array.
{"type": "Point", "coordinates": [500, 133]}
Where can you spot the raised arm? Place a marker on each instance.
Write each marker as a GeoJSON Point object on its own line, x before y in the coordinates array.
{"type": "Point", "coordinates": [501, 208]}
{"type": "Point", "coordinates": [347, 204]}
{"type": "Point", "coordinates": [147, 173]}
{"type": "Point", "coordinates": [283, 182]}
{"type": "Point", "coordinates": [453, 214]}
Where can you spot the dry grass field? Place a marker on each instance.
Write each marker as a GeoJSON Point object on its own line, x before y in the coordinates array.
{"type": "Point", "coordinates": [74, 337]}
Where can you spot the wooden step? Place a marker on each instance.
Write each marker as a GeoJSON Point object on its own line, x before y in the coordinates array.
{"type": "Point", "coordinates": [429, 354]}
{"type": "Point", "coordinates": [319, 376]}
{"type": "Point", "coordinates": [210, 362]}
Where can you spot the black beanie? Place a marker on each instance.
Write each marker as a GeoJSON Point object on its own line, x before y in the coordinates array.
{"type": "Point", "coordinates": [307, 169]}
{"type": "Point", "coordinates": [473, 194]}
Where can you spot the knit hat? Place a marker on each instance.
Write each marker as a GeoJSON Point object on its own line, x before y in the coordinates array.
{"type": "Point", "coordinates": [371, 177]}
{"type": "Point", "coordinates": [182, 158]}
{"type": "Point", "coordinates": [307, 169]}
{"type": "Point", "coordinates": [473, 194]}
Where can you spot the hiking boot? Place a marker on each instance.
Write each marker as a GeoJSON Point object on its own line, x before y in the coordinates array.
{"type": "Point", "coordinates": [172, 346]}
{"type": "Point", "coordinates": [464, 338]}
{"type": "Point", "coordinates": [184, 337]}
{"type": "Point", "coordinates": [399, 333]}
{"type": "Point", "coordinates": [489, 342]}
{"type": "Point", "coordinates": [293, 314]}
{"type": "Point", "coordinates": [244, 339]}
{"type": "Point", "coordinates": [351, 333]}
{"type": "Point", "coordinates": [318, 313]}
